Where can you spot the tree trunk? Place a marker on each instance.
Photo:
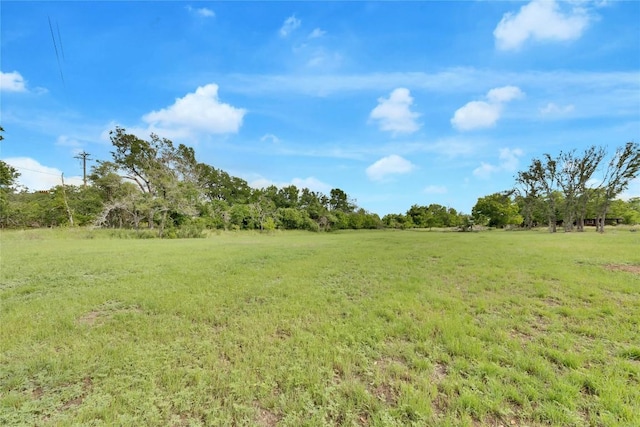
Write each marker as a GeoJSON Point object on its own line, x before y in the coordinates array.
{"type": "Point", "coordinates": [66, 203]}
{"type": "Point", "coordinates": [151, 215]}
{"type": "Point", "coordinates": [163, 221]}
{"type": "Point", "coordinates": [600, 222]}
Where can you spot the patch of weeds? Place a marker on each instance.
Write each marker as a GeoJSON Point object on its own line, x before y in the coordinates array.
{"type": "Point", "coordinates": [564, 359]}
{"type": "Point", "coordinates": [632, 353]}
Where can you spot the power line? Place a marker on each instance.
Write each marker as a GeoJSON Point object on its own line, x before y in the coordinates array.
{"type": "Point", "coordinates": [55, 47]}
{"type": "Point", "coordinates": [33, 170]}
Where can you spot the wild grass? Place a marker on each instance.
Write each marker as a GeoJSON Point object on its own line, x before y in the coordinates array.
{"type": "Point", "coordinates": [377, 328]}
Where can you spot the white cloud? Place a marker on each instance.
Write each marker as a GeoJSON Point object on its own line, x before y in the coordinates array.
{"type": "Point", "coordinates": [311, 183]}
{"type": "Point", "coordinates": [394, 113]}
{"type": "Point", "coordinates": [203, 11]}
{"type": "Point", "coordinates": [594, 93]}
{"type": "Point", "coordinates": [12, 82]}
{"type": "Point", "coordinates": [435, 189]}
{"type": "Point", "coordinates": [200, 111]}
{"type": "Point", "coordinates": [271, 138]}
{"type": "Point", "coordinates": [504, 94]}
{"type": "Point", "coordinates": [485, 170]}
{"type": "Point", "coordinates": [316, 33]}
{"type": "Point", "coordinates": [66, 141]}
{"type": "Point", "coordinates": [290, 24]}
{"type": "Point", "coordinates": [509, 160]}
{"type": "Point", "coordinates": [322, 58]}
{"type": "Point", "coordinates": [476, 115]}
{"type": "Point", "coordinates": [481, 114]}
{"type": "Point", "coordinates": [633, 190]}
{"type": "Point", "coordinates": [390, 165]}
{"type": "Point", "coordinates": [453, 146]}
{"type": "Point", "coordinates": [207, 13]}
{"type": "Point", "coordinates": [36, 176]}
{"type": "Point", "coordinates": [540, 20]}
{"type": "Point", "coordinates": [552, 109]}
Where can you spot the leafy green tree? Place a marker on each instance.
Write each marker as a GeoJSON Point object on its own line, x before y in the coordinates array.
{"type": "Point", "coordinates": [288, 197]}
{"type": "Point", "coordinates": [394, 221]}
{"type": "Point", "coordinates": [217, 184]}
{"type": "Point", "coordinates": [545, 174]}
{"type": "Point", "coordinates": [621, 209]}
{"type": "Point", "coordinates": [290, 218]}
{"type": "Point", "coordinates": [216, 213]}
{"type": "Point", "coordinates": [263, 211]}
{"type": "Point", "coordinates": [439, 217]}
{"type": "Point", "coordinates": [496, 210]}
{"type": "Point", "coordinates": [241, 217]}
{"type": "Point", "coordinates": [528, 191]}
{"type": "Point", "coordinates": [339, 201]}
{"type": "Point", "coordinates": [573, 173]}
{"type": "Point", "coordinates": [8, 179]}
{"type": "Point", "coordinates": [419, 215]}
{"type": "Point", "coordinates": [165, 174]}
{"type": "Point", "coordinates": [623, 167]}
{"type": "Point", "coordinates": [310, 202]}
{"type": "Point", "coordinates": [632, 213]}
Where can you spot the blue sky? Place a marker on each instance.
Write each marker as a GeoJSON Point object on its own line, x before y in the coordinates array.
{"type": "Point", "coordinates": [396, 103]}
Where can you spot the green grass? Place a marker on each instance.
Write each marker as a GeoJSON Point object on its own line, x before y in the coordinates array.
{"type": "Point", "coordinates": [377, 328]}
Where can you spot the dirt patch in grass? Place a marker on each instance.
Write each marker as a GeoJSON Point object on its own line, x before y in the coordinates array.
{"type": "Point", "coordinates": [265, 417]}
{"type": "Point", "coordinates": [520, 335]}
{"type": "Point", "coordinates": [363, 419]}
{"type": "Point", "coordinates": [540, 322]}
{"type": "Point", "coordinates": [87, 385]}
{"type": "Point", "coordinates": [439, 372]}
{"type": "Point", "coordinates": [495, 422]}
{"type": "Point", "coordinates": [37, 393]}
{"type": "Point", "coordinates": [91, 317]}
{"type": "Point", "coordinates": [105, 312]}
{"type": "Point", "coordinates": [635, 269]}
{"type": "Point", "coordinates": [385, 393]}
{"type": "Point", "coordinates": [552, 302]}
{"type": "Point", "coordinates": [440, 406]}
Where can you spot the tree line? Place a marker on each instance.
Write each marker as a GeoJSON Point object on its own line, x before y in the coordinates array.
{"type": "Point", "coordinates": [157, 185]}
{"type": "Point", "coordinates": [567, 190]}
{"type": "Point", "coordinates": [159, 188]}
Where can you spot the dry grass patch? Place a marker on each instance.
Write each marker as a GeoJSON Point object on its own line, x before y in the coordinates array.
{"type": "Point", "coordinates": [266, 417]}
{"type": "Point", "coordinates": [105, 312]}
{"type": "Point", "coordinates": [635, 269]}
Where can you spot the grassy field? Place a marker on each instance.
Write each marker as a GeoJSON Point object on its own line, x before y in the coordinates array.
{"type": "Point", "coordinates": [374, 328]}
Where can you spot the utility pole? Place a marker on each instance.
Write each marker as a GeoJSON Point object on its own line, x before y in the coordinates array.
{"type": "Point", "coordinates": [84, 156]}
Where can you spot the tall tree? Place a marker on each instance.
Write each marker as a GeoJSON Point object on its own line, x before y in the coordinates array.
{"type": "Point", "coordinates": [544, 173]}
{"type": "Point", "coordinates": [165, 174]}
{"type": "Point", "coordinates": [339, 201]}
{"type": "Point", "coordinates": [573, 173]}
{"type": "Point", "coordinates": [623, 167]}
{"type": "Point", "coordinates": [8, 180]}
{"type": "Point", "coordinates": [528, 189]}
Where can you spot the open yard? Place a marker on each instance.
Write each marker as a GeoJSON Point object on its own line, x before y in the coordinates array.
{"type": "Point", "coordinates": [371, 328]}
